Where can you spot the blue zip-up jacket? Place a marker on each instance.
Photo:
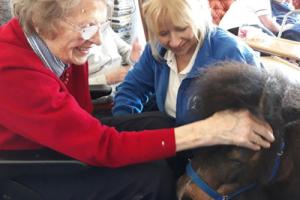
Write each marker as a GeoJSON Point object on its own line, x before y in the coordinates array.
{"type": "Point", "coordinates": [150, 76]}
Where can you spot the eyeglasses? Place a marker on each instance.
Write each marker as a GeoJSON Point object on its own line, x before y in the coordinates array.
{"type": "Point", "coordinates": [89, 31]}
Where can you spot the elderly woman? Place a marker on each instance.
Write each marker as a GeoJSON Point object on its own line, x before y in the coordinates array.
{"type": "Point", "coordinates": [45, 104]}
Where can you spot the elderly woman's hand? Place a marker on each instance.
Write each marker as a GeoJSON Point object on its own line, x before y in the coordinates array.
{"type": "Point", "coordinates": [228, 127]}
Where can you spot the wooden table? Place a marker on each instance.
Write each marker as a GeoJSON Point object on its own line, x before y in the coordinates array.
{"type": "Point", "coordinates": [274, 63]}
{"type": "Point", "coordinates": [276, 46]}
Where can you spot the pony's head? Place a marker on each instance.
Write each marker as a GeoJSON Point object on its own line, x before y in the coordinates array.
{"type": "Point", "coordinates": [231, 170]}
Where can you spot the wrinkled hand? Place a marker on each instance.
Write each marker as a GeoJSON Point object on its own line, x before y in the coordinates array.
{"type": "Point", "coordinates": [136, 50]}
{"type": "Point", "coordinates": [240, 128]}
{"type": "Point", "coordinates": [228, 127]}
{"type": "Point", "coordinates": [117, 75]}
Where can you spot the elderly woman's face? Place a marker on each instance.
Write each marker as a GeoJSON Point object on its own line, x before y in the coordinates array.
{"type": "Point", "coordinates": [78, 32]}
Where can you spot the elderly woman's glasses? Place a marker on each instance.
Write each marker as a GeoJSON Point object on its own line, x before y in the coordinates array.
{"type": "Point", "coordinates": [89, 31]}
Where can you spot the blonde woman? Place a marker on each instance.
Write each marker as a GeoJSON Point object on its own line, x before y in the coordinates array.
{"type": "Point", "coordinates": [182, 40]}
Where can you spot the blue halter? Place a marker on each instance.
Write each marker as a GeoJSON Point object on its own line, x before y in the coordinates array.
{"type": "Point", "coordinates": [210, 191]}
{"type": "Point", "coordinates": [217, 196]}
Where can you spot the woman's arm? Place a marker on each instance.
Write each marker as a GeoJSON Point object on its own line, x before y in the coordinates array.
{"type": "Point", "coordinates": [134, 91]}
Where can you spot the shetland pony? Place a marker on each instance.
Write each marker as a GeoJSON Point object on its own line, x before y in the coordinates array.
{"type": "Point", "coordinates": [230, 172]}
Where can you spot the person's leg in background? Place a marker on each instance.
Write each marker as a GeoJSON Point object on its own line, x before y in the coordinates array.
{"type": "Point", "coordinates": [137, 122]}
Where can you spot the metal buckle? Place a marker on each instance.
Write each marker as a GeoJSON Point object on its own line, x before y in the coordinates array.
{"type": "Point", "coordinates": [225, 197]}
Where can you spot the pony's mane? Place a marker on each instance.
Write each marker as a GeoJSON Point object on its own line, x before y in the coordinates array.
{"type": "Point", "coordinates": [226, 85]}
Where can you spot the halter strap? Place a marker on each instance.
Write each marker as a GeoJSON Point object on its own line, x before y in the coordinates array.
{"type": "Point", "coordinates": [217, 196]}
{"type": "Point", "coordinates": [210, 191]}
{"type": "Point", "coordinates": [277, 161]}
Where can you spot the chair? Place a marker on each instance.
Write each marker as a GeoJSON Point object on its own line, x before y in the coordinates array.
{"type": "Point", "coordinates": [102, 100]}
{"type": "Point", "coordinates": [15, 163]}
{"type": "Point", "coordinates": [101, 94]}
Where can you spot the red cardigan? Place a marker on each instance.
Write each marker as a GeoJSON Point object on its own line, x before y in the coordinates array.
{"type": "Point", "coordinates": [37, 110]}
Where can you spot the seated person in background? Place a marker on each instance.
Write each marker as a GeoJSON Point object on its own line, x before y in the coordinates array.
{"type": "Point", "coordinates": [291, 28]}
{"type": "Point", "coordinates": [182, 40]}
{"type": "Point", "coordinates": [249, 12]}
{"type": "Point", "coordinates": [280, 8]}
{"type": "Point", "coordinates": [110, 61]}
{"type": "Point", "coordinates": [45, 104]}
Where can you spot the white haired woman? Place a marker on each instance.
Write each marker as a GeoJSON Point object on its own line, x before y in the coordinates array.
{"type": "Point", "coordinates": [45, 104]}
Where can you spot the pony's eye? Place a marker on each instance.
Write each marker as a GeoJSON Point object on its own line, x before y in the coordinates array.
{"type": "Point", "coordinates": [233, 177]}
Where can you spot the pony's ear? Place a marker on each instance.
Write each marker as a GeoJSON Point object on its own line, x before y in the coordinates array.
{"type": "Point", "coordinates": [291, 105]}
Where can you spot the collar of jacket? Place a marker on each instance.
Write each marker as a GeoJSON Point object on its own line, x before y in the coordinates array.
{"type": "Point", "coordinates": [203, 53]}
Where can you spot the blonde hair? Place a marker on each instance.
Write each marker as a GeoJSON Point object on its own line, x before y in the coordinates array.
{"type": "Point", "coordinates": [45, 13]}
{"type": "Point", "coordinates": [194, 13]}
